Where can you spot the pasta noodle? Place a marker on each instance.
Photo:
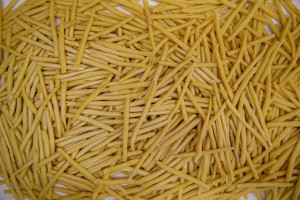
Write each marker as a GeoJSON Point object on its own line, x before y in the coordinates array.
{"type": "Point", "coordinates": [184, 99]}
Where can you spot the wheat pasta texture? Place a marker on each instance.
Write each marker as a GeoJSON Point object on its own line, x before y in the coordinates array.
{"type": "Point", "coordinates": [184, 99]}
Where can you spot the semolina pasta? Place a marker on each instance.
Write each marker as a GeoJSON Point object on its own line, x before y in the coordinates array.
{"type": "Point", "coordinates": [128, 99]}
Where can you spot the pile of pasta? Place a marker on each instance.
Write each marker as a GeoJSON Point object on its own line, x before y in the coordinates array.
{"type": "Point", "coordinates": [185, 99]}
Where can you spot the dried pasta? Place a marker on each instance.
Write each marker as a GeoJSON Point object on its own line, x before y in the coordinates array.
{"type": "Point", "coordinates": [184, 99]}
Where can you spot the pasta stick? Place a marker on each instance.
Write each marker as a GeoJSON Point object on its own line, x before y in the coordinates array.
{"type": "Point", "coordinates": [56, 111]}
{"type": "Point", "coordinates": [199, 39]}
{"type": "Point", "coordinates": [257, 135]}
{"type": "Point", "coordinates": [181, 174]}
{"type": "Point", "coordinates": [6, 179]}
{"type": "Point", "coordinates": [36, 120]}
{"type": "Point", "coordinates": [123, 49]}
{"type": "Point", "coordinates": [112, 51]}
{"type": "Point", "coordinates": [180, 133]}
{"type": "Point", "coordinates": [221, 68]}
{"type": "Point", "coordinates": [171, 36]}
{"type": "Point", "coordinates": [61, 42]}
{"type": "Point", "coordinates": [78, 166]}
{"type": "Point", "coordinates": [83, 42]}
{"type": "Point", "coordinates": [296, 191]}
{"type": "Point", "coordinates": [149, 101]}
{"type": "Point", "coordinates": [28, 101]}
{"type": "Point", "coordinates": [53, 180]}
{"type": "Point", "coordinates": [264, 184]}
{"type": "Point", "coordinates": [36, 33]}
{"type": "Point", "coordinates": [291, 65]}
{"type": "Point", "coordinates": [291, 162]}
{"type": "Point", "coordinates": [53, 29]}
{"type": "Point", "coordinates": [246, 20]}
{"type": "Point", "coordinates": [177, 82]}
{"type": "Point", "coordinates": [150, 28]}
{"type": "Point", "coordinates": [91, 98]}
{"type": "Point", "coordinates": [240, 56]}
{"type": "Point", "coordinates": [114, 194]}
{"type": "Point", "coordinates": [12, 51]}
{"type": "Point", "coordinates": [89, 5]}
{"type": "Point", "coordinates": [95, 123]}
{"type": "Point", "coordinates": [22, 73]}
{"type": "Point", "coordinates": [35, 43]}
{"type": "Point", "coordinates": [126, 126]}
{"type": "Point", "coordinates": [146, 35]}
{"type": "Point", "coordinates": [112, 28]}
{"type": "Point", "coordinates": [8, 7]}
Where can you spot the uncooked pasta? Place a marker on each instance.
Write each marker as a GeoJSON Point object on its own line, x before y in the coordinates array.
{"type": "Point", "coordinates": [182, 99]}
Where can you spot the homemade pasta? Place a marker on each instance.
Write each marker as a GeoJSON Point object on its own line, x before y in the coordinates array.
{"type": "Point", "coordinates": [181, 99]}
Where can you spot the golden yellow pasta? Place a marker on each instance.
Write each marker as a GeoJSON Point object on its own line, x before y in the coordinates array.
{"type": "Point", "coordinates": [182, 99]}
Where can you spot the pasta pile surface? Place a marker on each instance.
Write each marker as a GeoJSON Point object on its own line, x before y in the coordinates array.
{"type": "Point", "coordinates": [187, 99]}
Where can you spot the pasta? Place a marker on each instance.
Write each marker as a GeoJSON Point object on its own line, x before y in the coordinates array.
{"type": "Point", "coordinates": [184, 99]}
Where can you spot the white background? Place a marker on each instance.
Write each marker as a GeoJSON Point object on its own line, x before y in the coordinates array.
{"type": "Point", "coordinates": [3, 187]}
